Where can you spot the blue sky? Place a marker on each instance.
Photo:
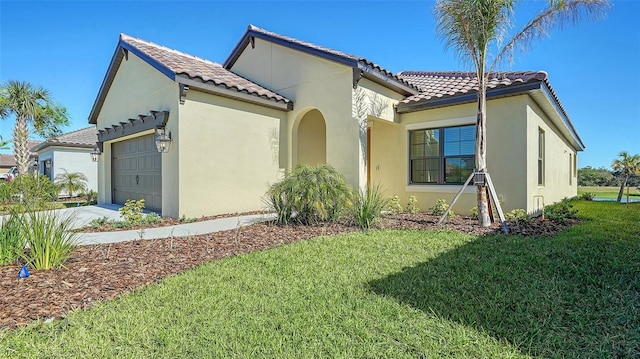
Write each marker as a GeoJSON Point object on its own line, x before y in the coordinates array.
{"type": "Point", "coordinates": [66, 47]}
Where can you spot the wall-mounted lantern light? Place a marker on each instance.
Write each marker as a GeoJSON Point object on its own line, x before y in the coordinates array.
{"type": "Point", "coordinates": [95, 154]}
{"type": "Point", "coordinates": [163, 140]}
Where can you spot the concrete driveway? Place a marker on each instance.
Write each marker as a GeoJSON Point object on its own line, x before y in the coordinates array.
{"type": "Point", "coordinates": [85, 214]}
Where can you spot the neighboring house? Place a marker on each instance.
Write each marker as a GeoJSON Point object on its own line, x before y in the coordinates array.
{"type": "Point", "coordinates": [70, 151]}
{"type": "Point", "coordinates": [8, 160]}
{"type": "Point", "coordinates": [277, 102]}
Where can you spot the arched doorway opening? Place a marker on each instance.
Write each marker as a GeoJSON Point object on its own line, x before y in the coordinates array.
{"type": "Point", "coordinates": [312, 139]}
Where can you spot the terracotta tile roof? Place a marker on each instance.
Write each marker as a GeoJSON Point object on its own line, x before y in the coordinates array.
{"type": "Point", "coordinates": [435, 85]}
{"type": "Point", "coordinates": [204, 70]}
{"type": "Point", "coordinates": [448, 88]}
{"type": "Point", "coordinates": [85, 137]}
{"type": "Point", "coordinates": [7, 160]}
{"type": "Point", "coordinates": [331, 54]}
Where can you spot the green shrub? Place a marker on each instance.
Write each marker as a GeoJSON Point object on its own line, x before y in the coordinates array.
{"type": "Point", "coordinates": [132, 210]}
{"type": "Point", "coordinates": [394, 206]}
{"type": "Point", "coordinates": [49, 237]}
{"type": "Point", "coordinates": [92, 198]}
{"type": "Point", "coordinates": [99, 222]}
{"type": "Point", "coordinates": [474, 212]}
{"type": "Point", "coordinates": [151, 218]}
{"type": "Point", "coordinates": [587, 196]}
{"type": "Point", "coordinates": [412, 206]}
{"type": "Point", "coordinates": [517, 215]}
{"type": "Point", "coordinates": [6, 192]}
{"type": "Point", "coordinates": [184, 219]}
{"type": "Point", "coordinates": [11, 242]}
{"type": "Point", "coordinates": [34, 190]}
{"type": "Point", "coordinates": [440, 207]}
{"type": "Point", "coordinates": [560, 212]}
{"type": "Point", "coordinates": [368, 206]}
{"type": "Point", "coordinates": [309, 195]}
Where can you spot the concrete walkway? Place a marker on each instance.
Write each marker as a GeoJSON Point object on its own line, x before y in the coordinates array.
{"type": "Point", "coordinates": [84, 215]}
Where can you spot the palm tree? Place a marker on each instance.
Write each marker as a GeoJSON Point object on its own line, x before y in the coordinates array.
{"type": "Point", "coordinates": [475, 29]}
{"type": "Point", "coordinates": [72, 182]}
{"type": "Point", "coordinates": [31, 106]}
{"type": "Point", "coordinates": [627, 166]}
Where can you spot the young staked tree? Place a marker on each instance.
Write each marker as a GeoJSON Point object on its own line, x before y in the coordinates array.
{"type": "Point", "coordinates": [71, 181]}
{"type": "Point", "coordinates": [32, 108]}
{"type": "Point", "coordinates": [627, 165]}
{"type": "Point", "coordinates": [476, 30]}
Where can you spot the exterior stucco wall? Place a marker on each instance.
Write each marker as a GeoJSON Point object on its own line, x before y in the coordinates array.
{"type": "Point", "coordinates": [312, 83]}
{"type": "Point", "coordinates": [229, 155]}
{"type": "Point", "coordinates": [136, 89]}
{"type": "Point", "coordinates": [559, 175]}
{"type": "Point", "coordinates": [73, 160]}
{"type": "Point", "coordinates": [506, 153]}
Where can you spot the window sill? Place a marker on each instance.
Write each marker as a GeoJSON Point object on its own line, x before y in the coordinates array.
{"type": "Point", "coordinates": [439, 188]}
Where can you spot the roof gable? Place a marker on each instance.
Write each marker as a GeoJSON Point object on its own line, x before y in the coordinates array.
{"type": "Point", "coordinates": [361, 66]}
{"type": "Point", "coordinates": [185, 69]}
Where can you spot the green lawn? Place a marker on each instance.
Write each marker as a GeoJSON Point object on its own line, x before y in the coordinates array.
{"type": "Point", "coordinates": [608, 192]}
{"type": "Point", "coordinates": [381, 294]}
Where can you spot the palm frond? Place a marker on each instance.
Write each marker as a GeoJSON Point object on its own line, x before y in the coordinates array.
{"type": "Point", "coordinates": [558, 13]}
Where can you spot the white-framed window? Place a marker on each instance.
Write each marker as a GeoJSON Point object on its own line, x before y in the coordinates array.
{"type": "Point", "coordinates": [441, 155]}
{"type": "Point", "coordinates": [541, 152]}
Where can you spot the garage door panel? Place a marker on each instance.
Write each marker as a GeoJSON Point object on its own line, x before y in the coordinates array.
{"type": "Point", "coordinates": [137, 172]}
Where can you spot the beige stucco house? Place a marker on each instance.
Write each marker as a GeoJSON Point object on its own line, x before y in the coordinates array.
{"type": "Point", "coordinates": [277, 102]}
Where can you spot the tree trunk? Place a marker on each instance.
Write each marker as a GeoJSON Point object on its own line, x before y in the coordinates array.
{"type": "Point", "coordinates": [622, 185]}
{"type": "Point", "coordinates": [21, 144]}
{"type": "Point", "coordinates": [481, 151]}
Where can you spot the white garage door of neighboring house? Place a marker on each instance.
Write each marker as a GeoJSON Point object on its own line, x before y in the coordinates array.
{"type": "Point", "coordinates": [136, 170]}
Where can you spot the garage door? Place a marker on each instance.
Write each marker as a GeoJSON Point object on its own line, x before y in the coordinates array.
{"type": "Point", "coordinates": [136, 169]}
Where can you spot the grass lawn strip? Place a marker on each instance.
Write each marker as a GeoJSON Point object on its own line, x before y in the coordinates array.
{"type": "Point", "coordinates": [395, 294]}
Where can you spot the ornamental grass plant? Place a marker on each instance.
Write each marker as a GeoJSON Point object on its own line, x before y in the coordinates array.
{"type": "Point", "coordinates": [309, 195]}
{"type": "Point", "coordinates": [48, 236]}
{"type": "Point", "coordinates": [368, 206]}
{"type": "Point", "coordinates": [11, 242]}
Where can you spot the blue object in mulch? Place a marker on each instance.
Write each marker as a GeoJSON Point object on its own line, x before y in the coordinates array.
{"type": "Point", "coordinates": [24, 272]}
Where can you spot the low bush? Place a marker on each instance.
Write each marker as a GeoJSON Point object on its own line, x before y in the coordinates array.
{"type": "Point", "coordinates": [474, 212]}
{"type": "Point", "coordinates": [440, 208]}
{"type": "Point", "coordinates": [517, 215]}
{"type": "Point", "coordinates": [587, 196]}
{"type": "Point", "coordinates": [368, 206]}
{"type": "Point", "coordinates": [394, 206]}
{"type": "Point", "coordinates": [33, 190]}
{"type": "Point", "coordinates": [560, 212]}
{"type": "Point", "coordinates": [92, 198]}
{"type": "Point", "coordinates": [99, 222]}
{"type": "Point", "coordinates": [49, 237]}
{"type": "Point", "coordinates": [151, 218]}
{"type": "Point", "coordinates": [132, 210]}
{"type": "Point", "coordinates": [11, 242]}
{"type": "Point", "coordinates": [309, 195]}
{"type": "Point", "coordinates": [412, 206]}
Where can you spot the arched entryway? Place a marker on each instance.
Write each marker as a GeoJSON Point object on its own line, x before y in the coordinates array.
{"type": "Point", "coordinates": [312, 139]}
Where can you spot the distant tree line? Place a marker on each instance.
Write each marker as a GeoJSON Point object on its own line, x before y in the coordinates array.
{"type": "Point", "coordinates": [603, 177]}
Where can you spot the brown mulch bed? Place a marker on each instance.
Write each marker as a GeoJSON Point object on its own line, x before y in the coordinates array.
{"type": "Point", "coordinates": [106, 271]}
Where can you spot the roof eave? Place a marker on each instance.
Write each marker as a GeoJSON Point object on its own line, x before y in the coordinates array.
{"type": "Point", "coordinates": [251, 32]}
{"type": "Point", "coordinates": [45, 145]}
{"type": "Point", "coordinates": [540, 86]}
{"type": "Point", "coordinates": [211, 88]}
{"type": "Point", "coordinates": [372, 74]}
